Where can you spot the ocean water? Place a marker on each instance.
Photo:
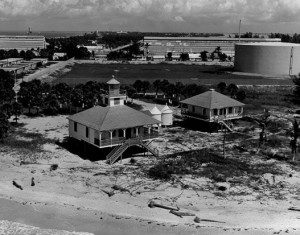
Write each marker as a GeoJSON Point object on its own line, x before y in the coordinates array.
{"type": "Point", "coordinates": [13, 228]}
{"type": "Point", "coordinates": [47, 34]}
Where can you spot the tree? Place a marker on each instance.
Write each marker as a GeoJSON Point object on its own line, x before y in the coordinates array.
{"type": "Point", "coordinates": [16, 110]}
{"type": "Point", "coordinates": [203, 55]}
{"type": "Point", "coordinates": [156, 85]}
{"type": "Point", "coordinates": [170, 89]}
{"type": "Point", "coordinates": [163, 86]}
{"type": "Point", "coordinates": [241, 95]}
{"type": "Point", "coordinates": [178, 89]}
{"type": "Point", "coordinates": [22, 54]}
{"type": "Point", "coordinates": [184, 57]}
{"type": "Point", "coordinates": [145, 86]}
{"type": "Point", "coordinates": [169, 56]}
{"type": "Point", "coordinates": [30, 95]}
{"type": "Point", "coordinates": [222, 86]}
{"type": "Point", "coordinates": [218, 50]}
{"type": "Point", "coordinates": [232, 89]}
{"type": "Point", "coordinates": [29, 55]}
{"type": "Point", "coordinates": [7, 109]}
{"type": "Point", "coordinates": [6, 87]}
{"type": "Point", "coordinates": [263, 121]}
{"type": "Point", "coordinates": [222, 57]}
{"type": "Point", "coordinates": [193, 89]}
{"type": "Point", "coordinates": [138, 85]}
{"type": "Point", "coordinates": [4, 126]}
{"type": "Point", "coordinates": [52, 104]}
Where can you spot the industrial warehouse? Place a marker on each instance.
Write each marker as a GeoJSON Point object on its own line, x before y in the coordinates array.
{"type": "Point", "coordinates": [160, 46]}
{"type": "Point", "coordinates": [23, 42]}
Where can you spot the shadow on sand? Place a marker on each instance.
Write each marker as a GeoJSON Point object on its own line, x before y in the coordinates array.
{"type": "Point", "coordinates": [87, 151]}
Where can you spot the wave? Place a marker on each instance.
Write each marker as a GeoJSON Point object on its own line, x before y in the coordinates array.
{"type": "Point", "coordinates": [13, 228]}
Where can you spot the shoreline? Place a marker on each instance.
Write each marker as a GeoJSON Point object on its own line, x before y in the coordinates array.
{"type": "Point", "coordinates": [65, 220]}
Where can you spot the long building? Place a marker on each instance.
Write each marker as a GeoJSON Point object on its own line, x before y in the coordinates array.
{"type": "Point", "coordinates": [178, 45]}
{"type": "Point", "coordinates": [8, 42]}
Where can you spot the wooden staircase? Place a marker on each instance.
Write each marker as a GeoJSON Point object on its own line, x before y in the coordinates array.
{"type": "Point", "coordinates": [114, 155]}
{"type": "Point", "coordinates": [226, 125]}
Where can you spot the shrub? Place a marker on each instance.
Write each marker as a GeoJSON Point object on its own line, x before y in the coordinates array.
{"type": "Point", "coordinates": [160, 172]}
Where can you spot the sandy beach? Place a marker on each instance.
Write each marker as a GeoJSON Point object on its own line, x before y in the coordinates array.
{"type": "Point", "coordinates": [73, 197]}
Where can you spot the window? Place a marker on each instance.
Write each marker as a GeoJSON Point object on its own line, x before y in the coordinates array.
{"type": "Point", "coordinates": [204, 111]}
{"type": "Point", "coordinates": [230, 110]}
{"type": "Point", "coordinates": [75, 126]}
{"type": "Point", "coordinates": [193, 109]}
{"type": "Point", "coordinates": [87, 132]}
{"type": "Point", "coordinates": [215, 112]}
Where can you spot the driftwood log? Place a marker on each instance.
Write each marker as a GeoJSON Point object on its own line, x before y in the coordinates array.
{"type": "Point", "coordinates": [110, 194]}
{"type": "Point", "coordinates": [181, 214]}
{"type": "Point", "coordinates": [17, 185]}
{"type": "Point", "coordinates": [294, 209]}
{"type": "Point", "coordinates": [198, 220]}
{"type": "Point", "coordinates": [152, 204]}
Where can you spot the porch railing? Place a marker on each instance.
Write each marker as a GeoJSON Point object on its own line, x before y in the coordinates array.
{"type": "Point", "coordinates": [120, 140]}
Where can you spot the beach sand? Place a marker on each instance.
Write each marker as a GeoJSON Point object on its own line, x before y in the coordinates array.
{"type": "Point", "coordinates": [71, 198]}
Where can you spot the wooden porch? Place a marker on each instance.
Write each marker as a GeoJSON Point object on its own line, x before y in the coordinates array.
{"type": "Point", "coordinates": [141, 133]}
{"type": "Point", "coordinates": [208, 118]}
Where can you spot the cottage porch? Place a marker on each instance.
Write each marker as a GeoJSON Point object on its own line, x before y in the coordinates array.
{"type": "Point", "coordinates": [118, 137]}
{"type": "Point", "coordinates": [215, 115]}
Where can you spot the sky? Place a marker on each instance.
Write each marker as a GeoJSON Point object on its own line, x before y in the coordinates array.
{"type": "Point", "coordinates": [206, 16]}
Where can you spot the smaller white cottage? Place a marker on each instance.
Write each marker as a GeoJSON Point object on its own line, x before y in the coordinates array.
{"type": "Point", "coordinates": [211, 106]}
{"type": "Point", "coordinates": [167, 116]}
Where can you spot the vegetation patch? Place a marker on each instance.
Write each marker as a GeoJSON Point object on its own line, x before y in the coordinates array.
{"type": "Point", "coordinates": [25, 142]}
{"type": "Point", "coordinates": [204, 163]}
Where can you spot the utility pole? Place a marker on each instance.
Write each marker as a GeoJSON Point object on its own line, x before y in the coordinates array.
{"type": "Point", "coordinates": [240, 31]}
{"type": "Point", "coordinates": [224, 139]}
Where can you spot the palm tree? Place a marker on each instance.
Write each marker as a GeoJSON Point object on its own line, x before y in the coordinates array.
{"type": "Point", "coordinates": [263, 121]}
{"type": "Point", "coordinates": [16, 110]}
{"type": "Point", "coordinates": [163, 86]}
{"type": "Point", "coordinates": [145, 86]}
{"type": "Point", "coordinates": [232, 89]}
{"type": "Point", "coordinates": [156, 85]}
{"type": "Point", "coordinates": [138, 85]}
{"type": "Point", "coordinates": [178, 89]}
{"type": "Point", "coordinates": [222, 86]}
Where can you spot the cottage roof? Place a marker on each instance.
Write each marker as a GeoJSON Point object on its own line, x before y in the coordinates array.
{"type": "Point", "coordinates": [166, 109]}
{"type": "Point", "coordinates": [113, 81]}
{"type": "Point", "coordinates": [112, 118]}
{"type": "Point", "coordinates": [155, 111]}
{"type": "Point", "coordinates": [212, 100]}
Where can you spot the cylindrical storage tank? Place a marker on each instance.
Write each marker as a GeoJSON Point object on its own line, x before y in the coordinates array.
{"type": "Point", "coordinates": [269, 58]}
{"type": "Point", "coordinates": [155, 113]}
{"type": "Point", "coordinates": [167, 116]}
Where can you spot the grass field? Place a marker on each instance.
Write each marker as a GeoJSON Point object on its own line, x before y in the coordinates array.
{"type": "Point", "coordinates": [129, 73]}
